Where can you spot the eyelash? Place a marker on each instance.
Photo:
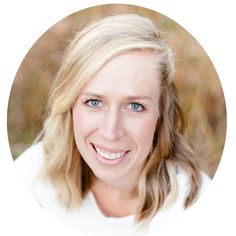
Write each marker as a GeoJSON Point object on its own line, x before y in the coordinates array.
{"type": "Point", "coordinates": [140, 105]}
{"type": "Point", "coordinates": [97, 100]}
{"type": "Point", "coordinates": [92, 100]}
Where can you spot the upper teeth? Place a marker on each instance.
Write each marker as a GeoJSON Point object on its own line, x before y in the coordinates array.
{"type": "Point", "coordinates": [110, 156]}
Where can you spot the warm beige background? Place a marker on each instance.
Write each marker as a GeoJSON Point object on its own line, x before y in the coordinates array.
{"type": "Point", "coordinates": [197, 81]}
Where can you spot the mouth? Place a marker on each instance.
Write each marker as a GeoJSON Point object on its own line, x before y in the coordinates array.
{"type": "Point", "coordinates": [108, 153]}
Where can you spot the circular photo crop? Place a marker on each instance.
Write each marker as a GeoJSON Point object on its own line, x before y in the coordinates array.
{"type": "Point", "coordinates": [117, 117]}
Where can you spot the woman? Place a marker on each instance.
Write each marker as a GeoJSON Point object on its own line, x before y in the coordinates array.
{"type": "Point", "coordinates": [113, 149]}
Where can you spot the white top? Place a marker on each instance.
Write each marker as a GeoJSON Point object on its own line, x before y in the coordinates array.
{"type": "Point", "coordinates": [88, 218]}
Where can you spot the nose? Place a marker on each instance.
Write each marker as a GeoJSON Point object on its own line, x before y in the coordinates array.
{"type": "Point", "coordinates": [112, 126]}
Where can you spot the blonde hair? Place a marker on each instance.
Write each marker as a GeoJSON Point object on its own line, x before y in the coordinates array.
{"type": "Point", "coordinates": [89, 50]}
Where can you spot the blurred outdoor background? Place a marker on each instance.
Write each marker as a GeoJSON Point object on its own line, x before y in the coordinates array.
{"type": "Point", "coordinates": [196, 79]}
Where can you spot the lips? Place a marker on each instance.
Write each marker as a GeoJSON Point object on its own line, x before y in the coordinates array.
{"type": "Point", "coordinates": [109, 153]}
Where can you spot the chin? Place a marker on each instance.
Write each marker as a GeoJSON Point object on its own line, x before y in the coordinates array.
{"type": "Point", "coordinates": [109, 176]}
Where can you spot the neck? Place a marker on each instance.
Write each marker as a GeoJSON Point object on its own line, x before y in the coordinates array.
{"type": "Point", "coordinates": [115, 201]}
{"type": "Point", "coordinates": [122, 192]}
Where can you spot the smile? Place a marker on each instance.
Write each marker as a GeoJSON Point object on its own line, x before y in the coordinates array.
{"type": "Point", "coordinates": [110, 154]}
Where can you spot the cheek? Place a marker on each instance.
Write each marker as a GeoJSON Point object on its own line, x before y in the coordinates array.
{"type": "Point", "coordinates": [143, 132]}
{"type": "Point", "coordinates": [148, 131]}
{"type": "Point", "coordinates": [80, 122]}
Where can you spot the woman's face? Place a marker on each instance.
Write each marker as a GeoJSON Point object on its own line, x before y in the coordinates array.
{"type": "Point", "coordinates": [115, 116]}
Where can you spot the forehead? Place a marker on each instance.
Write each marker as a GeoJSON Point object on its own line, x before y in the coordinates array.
{"type": "Point", "coordinates": [130, 72]}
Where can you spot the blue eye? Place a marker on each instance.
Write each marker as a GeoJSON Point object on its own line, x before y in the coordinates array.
{"type": "Point", "coordinates": [135, 107]}
{"type": "Point", "coordinates": [94, 103]}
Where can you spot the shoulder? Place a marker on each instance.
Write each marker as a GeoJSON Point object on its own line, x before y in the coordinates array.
{"type": "Point", "coordinates": [183, 181]}
{"type": "Point", "coordinates": [32, 154]}
{"type": "Point", "coordinates": [206, 180]}
{"type": "Point", "coordinates": [168, 214]}
{"type": "Point", "coordinates": [29, 165]}
{"type": "Point", "coordinates": [30, 161]}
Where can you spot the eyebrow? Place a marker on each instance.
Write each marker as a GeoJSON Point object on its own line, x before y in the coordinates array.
{"type": "Point", "coordinates": [140, 97]}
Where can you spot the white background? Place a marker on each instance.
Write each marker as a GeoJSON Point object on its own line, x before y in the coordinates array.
{"type": "Point", "coordinates": [210, 22]}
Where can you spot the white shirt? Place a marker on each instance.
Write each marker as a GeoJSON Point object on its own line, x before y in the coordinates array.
{"type": "Point", "coordinates": [89, 219]}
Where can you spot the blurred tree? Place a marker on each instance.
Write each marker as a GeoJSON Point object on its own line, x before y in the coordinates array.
{"type": "Point", "coordinates": [196, 79]}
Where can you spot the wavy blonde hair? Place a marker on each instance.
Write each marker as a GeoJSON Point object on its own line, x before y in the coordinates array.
{"type": "Point", "coordinates": [90, 49]}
